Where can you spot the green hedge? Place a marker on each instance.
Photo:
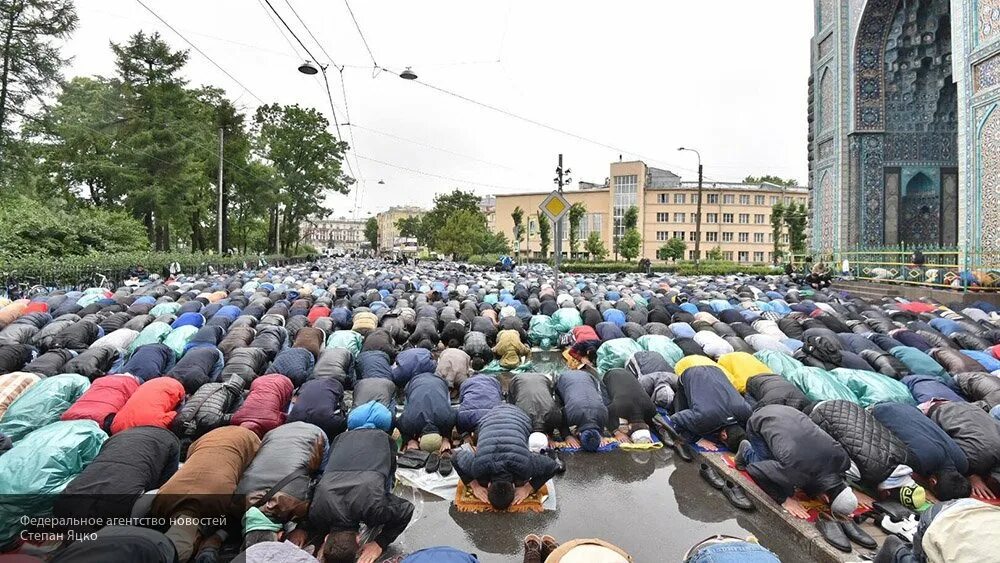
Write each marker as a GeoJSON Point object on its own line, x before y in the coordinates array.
{"type": "Point", "coordinates": [74, 270]}
{"type": "Point", "coordinates": [711, 268]}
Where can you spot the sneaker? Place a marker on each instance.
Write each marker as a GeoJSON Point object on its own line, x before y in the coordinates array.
{"type": "Point", "coordinates": [741, 455]}
{"type": "Point", "coordinates": [532, 549]}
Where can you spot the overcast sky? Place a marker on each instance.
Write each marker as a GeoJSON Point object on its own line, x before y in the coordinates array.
{"type": "Point", "coordinates": [727, 77]}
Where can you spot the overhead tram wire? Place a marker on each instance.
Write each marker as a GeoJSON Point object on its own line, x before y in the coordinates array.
{"type": "Point", "coordinates": [280, 31]}
{"type": "Point", "coordinates": [421, 144]}
{"type": "Point", "coordinates": [313, 37]}
{"type": "Point", "coordinates": [432, 175]}
{"type": "Point", "coordinates": [202, 53]}
{"type": "Point", "coordinates": [361, 33]}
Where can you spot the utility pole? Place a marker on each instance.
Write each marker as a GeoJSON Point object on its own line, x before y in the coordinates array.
{"type": "Point", "coordinates": [221, 133]}
{"type": "Point", "coordinates": [560, 181]}
{"type": "Point", "coordinates": [697, 217]}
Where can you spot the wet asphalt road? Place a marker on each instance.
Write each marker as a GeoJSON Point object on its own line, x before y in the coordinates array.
{"type": "Point", "coordinates": [644, 504]}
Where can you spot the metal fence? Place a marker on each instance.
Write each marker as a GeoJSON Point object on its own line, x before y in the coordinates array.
{"type": "Point", "coordinates": [944, 268]}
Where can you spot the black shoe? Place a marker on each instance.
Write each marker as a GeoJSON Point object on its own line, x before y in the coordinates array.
{"type": "Point", "coordinates": [555, 456]}
{"type": "Point", "coordinates": [709, 474]}
{"type": "Point", "coordinates": [433, 463]}
{"type": "Point", "coordinates": [741, 455]}
{"type": "Point", "coordinates": [833, 533]}
{"type": "Point", "coordinates": [683, 450]}
{"type": "Point", "coordinates": [412, 459]}
{"type": "Point", "coordinates": [445, 467]}
{"type": "Point", "coordinates": [857, 535]}
{"type": "Point", "coordinates": [736, 496]}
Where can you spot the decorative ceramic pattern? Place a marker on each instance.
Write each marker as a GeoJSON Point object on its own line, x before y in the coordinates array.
{"type": "Point", "coordinates": [823, 49]}
{"type": "Point", "coordinates": [826, 101]}
{"type": "Point", "coordinates": [868, 67]}
{"type": "Point", "coordinates": [826, 149]}
{"type": "Point", "coordinates": [826, 204]}
{"type": "Point", "coordinates": [989, 19]}
{"type": "Point", "coordinates": [987, 73]}
{"type": "Point", "coordinates": [990, 165]}
{"type": "Point", "coordinates": [872, 191]}
{"type": "Point", "coordinates": [826, 13]}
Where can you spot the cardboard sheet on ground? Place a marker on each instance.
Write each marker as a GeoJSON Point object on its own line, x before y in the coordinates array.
{"type": "Point", "coordinates": [431, 483]}
{"type": "Point", "coordinates": [539, 501]}
{"type": "Point", "coordinates": [815, 507]}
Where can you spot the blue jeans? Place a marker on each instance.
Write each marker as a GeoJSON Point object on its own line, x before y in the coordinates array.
{"type": "Point", "coordinates": [995, 413]}
{"type": "Point", "coordinates": [758, 449]}
{"type": "Point", "coordinates": [733, 552]}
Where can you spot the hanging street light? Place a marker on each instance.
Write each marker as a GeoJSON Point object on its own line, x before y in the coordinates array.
{"type": "Point", "coordinates": [309, 67]}
{"type": "Point", "coordinates": [408, 74]}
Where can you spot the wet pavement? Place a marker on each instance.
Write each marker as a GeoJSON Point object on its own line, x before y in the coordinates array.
{"type": "Point", "coordinates": [644, 504]}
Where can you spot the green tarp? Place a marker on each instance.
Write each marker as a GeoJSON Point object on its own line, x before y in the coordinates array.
{"type": "Point", "coordinates": [819, 385]}
{"type": "Point", "coordinates": [614, 353]}
{"type": "Point", "coordinates": [346, 339]}
{"type": "Point", "coordinates": [541, 333]}
{"type": "Point", "coordinates": [565, 320]}
{"type": "Point", "coordinates": [40, 466]}
{"type": "Point", "coordinates": [871, 388]}
{"type": "Point", "coordinates": [778, 362]}
{"type": "Point", "coordinates": [663, 345]}
{"type": "Point", "coordinates": [43, 403]}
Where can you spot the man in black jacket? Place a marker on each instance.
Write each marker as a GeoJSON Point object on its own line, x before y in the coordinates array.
{"type": "Point", "coordinates": [503, 471]}
{"type": "Point", "coordinates": [356, 488]}
{"type": "Point", "coordinates": [532, 393]}
{"type": "Point", "coordinates": [978, 435]}
{"type": "Point", "coordinates": [631, 412]}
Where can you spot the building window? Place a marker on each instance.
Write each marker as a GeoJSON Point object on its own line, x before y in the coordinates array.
{"type": "Point", "coordinates": [661, 198]}
{"type": "Point", "coordinates": [727, 237]}
{"type": "Point", "coordinates": [758, 218]}
{"type": "Point", "coordinates": [758, 200]}
{"type": "Point", "coordinates": [770, 257]}
{"type": "Point", "coordinates": [679, 217]}
{"type": "Point", "coordinates": [711, 236]}
{"type": "Point", "coordinates": [626, 196]}
{"type": "Point", "coordinates": [758, 256]}
{"type": "Point", "coordinates": [744, 218]}
{"type": "Point", "coordinates": [679, 198]}
{"type": "Point", "coordinates": [662, 236]}
{"type": "Point", "coordinates": [727, 217]}
{"type": "Point", "coordinates": [758, 238]}
{"type": "Point", "coordinates": [788, 200]}
{"type": "Point", "coordinates": [728, 199]}
{"type": "Point", "coordinates": [711, 217]}
{"type": "Point", "coordinates": [727, 255]}
{"type": "Point", "coordinates": [692, 255]}
{"type": "Point", "coordinates": [774, 200]}
{"type": "Point", "coordinates": [591, 223]}
{"type": "Point", "coordinates": [770, 237]}
{"type": "Point", "coordinates": [693, 235]}
{"type": "Point", "coordinates": [744, 237]}
{"type": "Point", "coordinates": [679, 234]}
{"type": "Point", "coordinates": [744, 200]}
{"type": "Point", "coordinates": [662, 217]}
{"type": "Point", "coordinates": [713, 198]}
{"type": "Point", "coordinates": [743, 256]}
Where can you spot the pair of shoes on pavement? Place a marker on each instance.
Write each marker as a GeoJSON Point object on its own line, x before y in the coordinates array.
{"type": "Point", "coordinates": [554, 454]}
{"type": "Point", "coordinates": [733, 492]}
{"type": "Point", "coordinates": [673, 440]}
{"type": "Point", "coordinates": [537, 549]}
{"type": "Point", "coordinates": [440, 463]}
{"type": "Point", "coordinates": [840, 533]}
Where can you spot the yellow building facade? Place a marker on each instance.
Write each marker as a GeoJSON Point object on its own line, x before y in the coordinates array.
{"type": "Point", "coordinates": [389, 240]}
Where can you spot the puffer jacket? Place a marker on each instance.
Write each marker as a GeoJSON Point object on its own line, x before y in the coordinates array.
{"type": "Point", "coordinates": [872, 447]}
{"type": "Point", "coordinates": [510, 349]}
{"type": "Point", "coordinates": [102, 400]}
{"type": "Point", "coordinates": [380, 339]}
{"type": "Point", "coordinates": [337, 363]}
{"type": "Point", "coordinates": [710, 402]}
{"type": "Point", "coordinates": [477, 396]}
{"type": "Point", "coordinates": [872, 388]}
{"type": "Point", "coordinates": [924, 388]}
{"type": "Point", "coordinates": [373, 363]}
{"type": "Point", "coordinates": [149, 361]}
{"type": "Point", "coordinates": [411, 362]}
{"type": "Point", "coordinates": [271, 339]}
{"type": "Point", "coordinates": [294, 363]}
{"type": "Point", "coordinates": [772, 389]}
{"type": "Point", "coordinates": [920, 363]}
{"type": "Point", "coordinates": [310, 338]}
{"type": "Point", "coordinates": [647, 361]}
{"type": "Point", "coordinates": [77, 336]}
{"type": "Point", "coordinates": [453, 334]}
{"type": "Point", "coordinates": [980, 387]}
{"type": "Point", "coordinates": [502, 452]}
{"type": "Point", "coordinates": [13, 385]}
{"type": "Point", "coordinates": [885, 363]}
{"type": "Point", "coordinates": [50, 363]}
{"type": "Point", "coordinates": [955, 361]}
{"type": "Point", "coordinates": [425, 335]}
{"type": "Point", "coordinates": [608, 331]}
{"type": "Point", "coordinates": [44, 338]}
{"type": "Point", "coordinates": [320, 402]}
{"type": "Point", "coordinates": [583, 404]}
{"type": "Point", "coordinates": [377, 389]}
{"type": "Point", "coordinates": [296, 448]}
{"type": "Point", "coordinates": [210, 407]}
{"type": "Point", "coordinates": [247, 363]}
{"type": "Point", "coordinates": [741, 367]}
{"type": "Point", "coordinates": [198, 367]}
{"type": "Point", "coordinates": [93, 362]}
{"type": "Point", "coordinates": [428, 407]}
{"type": "Point", "coordinates": [236, 337]}
{"type": "Point", "coordinates": [265, 407]}
{"type": "Point", "coordinates": [968, 341]}
{"type": "Point", "coordinates": [477, 346]}
{"type": "Point", "coordinates": [154, 403]}
{"type": "Point", "coordinates": [974, 430]}
{"type": "Point", "coordinates": [18, 333]}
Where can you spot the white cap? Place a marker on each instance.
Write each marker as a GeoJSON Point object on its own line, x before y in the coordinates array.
{"type": "Point", "coordinates": [537, 441]}
{"type": "Point", "coordinates": [642, 436]}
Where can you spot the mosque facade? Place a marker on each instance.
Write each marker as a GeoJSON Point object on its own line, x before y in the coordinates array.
{"type": "Point", "coordinates": [904, 125]}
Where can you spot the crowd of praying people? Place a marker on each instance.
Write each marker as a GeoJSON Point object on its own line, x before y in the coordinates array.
{"type": "Point", "coordinates": [272, 408]}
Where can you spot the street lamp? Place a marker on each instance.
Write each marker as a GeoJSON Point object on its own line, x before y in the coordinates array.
{"type": "Point", "coordinates": [697, 217]}
{"type": "Point", "coordinates": [408, 74]}
{"type": "Point", "coordinates": [309, 67]}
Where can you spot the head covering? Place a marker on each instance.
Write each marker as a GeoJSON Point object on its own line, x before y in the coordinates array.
{"type": "Point", "coordinates": [537, 442]}
{"type": "Point", "coordinates": [255, 521]}
{"type": "Point", "coordinates": [431, 442]}
{"type": "Point", "coordinates": [590, 440]}
{"type": "Point", "coordinates": [642, 436]}
{"type": "Point", "coordinates": [913, 497]}
{"type": "Point", "coordinates": [844, 503]}
{"type": "Point", "coordinates": [370, 415]}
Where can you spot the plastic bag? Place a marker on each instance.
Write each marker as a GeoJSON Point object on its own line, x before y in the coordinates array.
{"type": "Point", "coordinates": [541, 332]}
{"type": "Point", "coordinates": [615, 353]}
{"type": "Point", "coordinates": [662, 345]}
{"type": "Point", "coordinates": [819, 385]}
{"type": "Point", "coordinates": [871, 388]}
{"type": "Point", "coordinates": [43, 403]}
{"type": "Point", "coordinates": [564, 320]}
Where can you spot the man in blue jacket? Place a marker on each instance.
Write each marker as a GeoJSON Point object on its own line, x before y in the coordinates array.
{"type": "Point", "coordinates": [428, 419]}
{"type": "Point", "coordinates": [708, 404]}
{"type": "Point", "coordinates": [503, 471]}
{"type": "Point", "coordinates": [930, 451]}
{"type": "Point", "coordinates": [585, 413]}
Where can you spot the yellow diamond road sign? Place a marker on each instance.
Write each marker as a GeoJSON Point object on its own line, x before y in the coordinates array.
{"type": "Point", "coordinates": [555, 206]}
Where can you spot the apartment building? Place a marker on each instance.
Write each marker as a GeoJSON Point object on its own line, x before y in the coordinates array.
{"type": "Point", "coordinates": [736, 217]}
{"type": "Point", "coordinates": [389, 240]}
{"type": "Point", "coordinates": [341, 234]}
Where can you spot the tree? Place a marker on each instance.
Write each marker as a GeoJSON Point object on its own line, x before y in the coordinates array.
{"type": "Point", "coordinates": [631, 219]}
{"type": "Point", "coordinates": [544, 232]}
{"type": "Point", "coordinates": [673, 249]}
{"type": "Point", "coordinates": [595, 246]}
{"type": "Point", "coordinates": [715, 253]}
{"type": "Point", "coordinates": [629, 245]}
{"type": "Point", "coordinates": [795, 219]}
{"type": "Point", "coordinates": [371, 233]}
{"type": "Point", "coordinates": [446, 207]}
{"type": "Point", "coordinates": [31, 32]}
{"type": "Point", "coordinates": [493, 244]}
{"type": "Point", "coordinates": [777, 223]}
{"type": "Point", "coordinates": [577, 212]}
{"type": "Point", "coordinates": [518, 217]}
{"type": "Point", "coordinates": [307, 159]}
{"type": "Point", "coordinates": [770, 179]}
{"type": "Point", "coordinates": [463, 234]}
{"type": "Point", "coordinates": [409, 227]}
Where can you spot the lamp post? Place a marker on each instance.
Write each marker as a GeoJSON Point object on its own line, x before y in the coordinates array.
{"type": "Point", "coordinates": [697, 217]}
